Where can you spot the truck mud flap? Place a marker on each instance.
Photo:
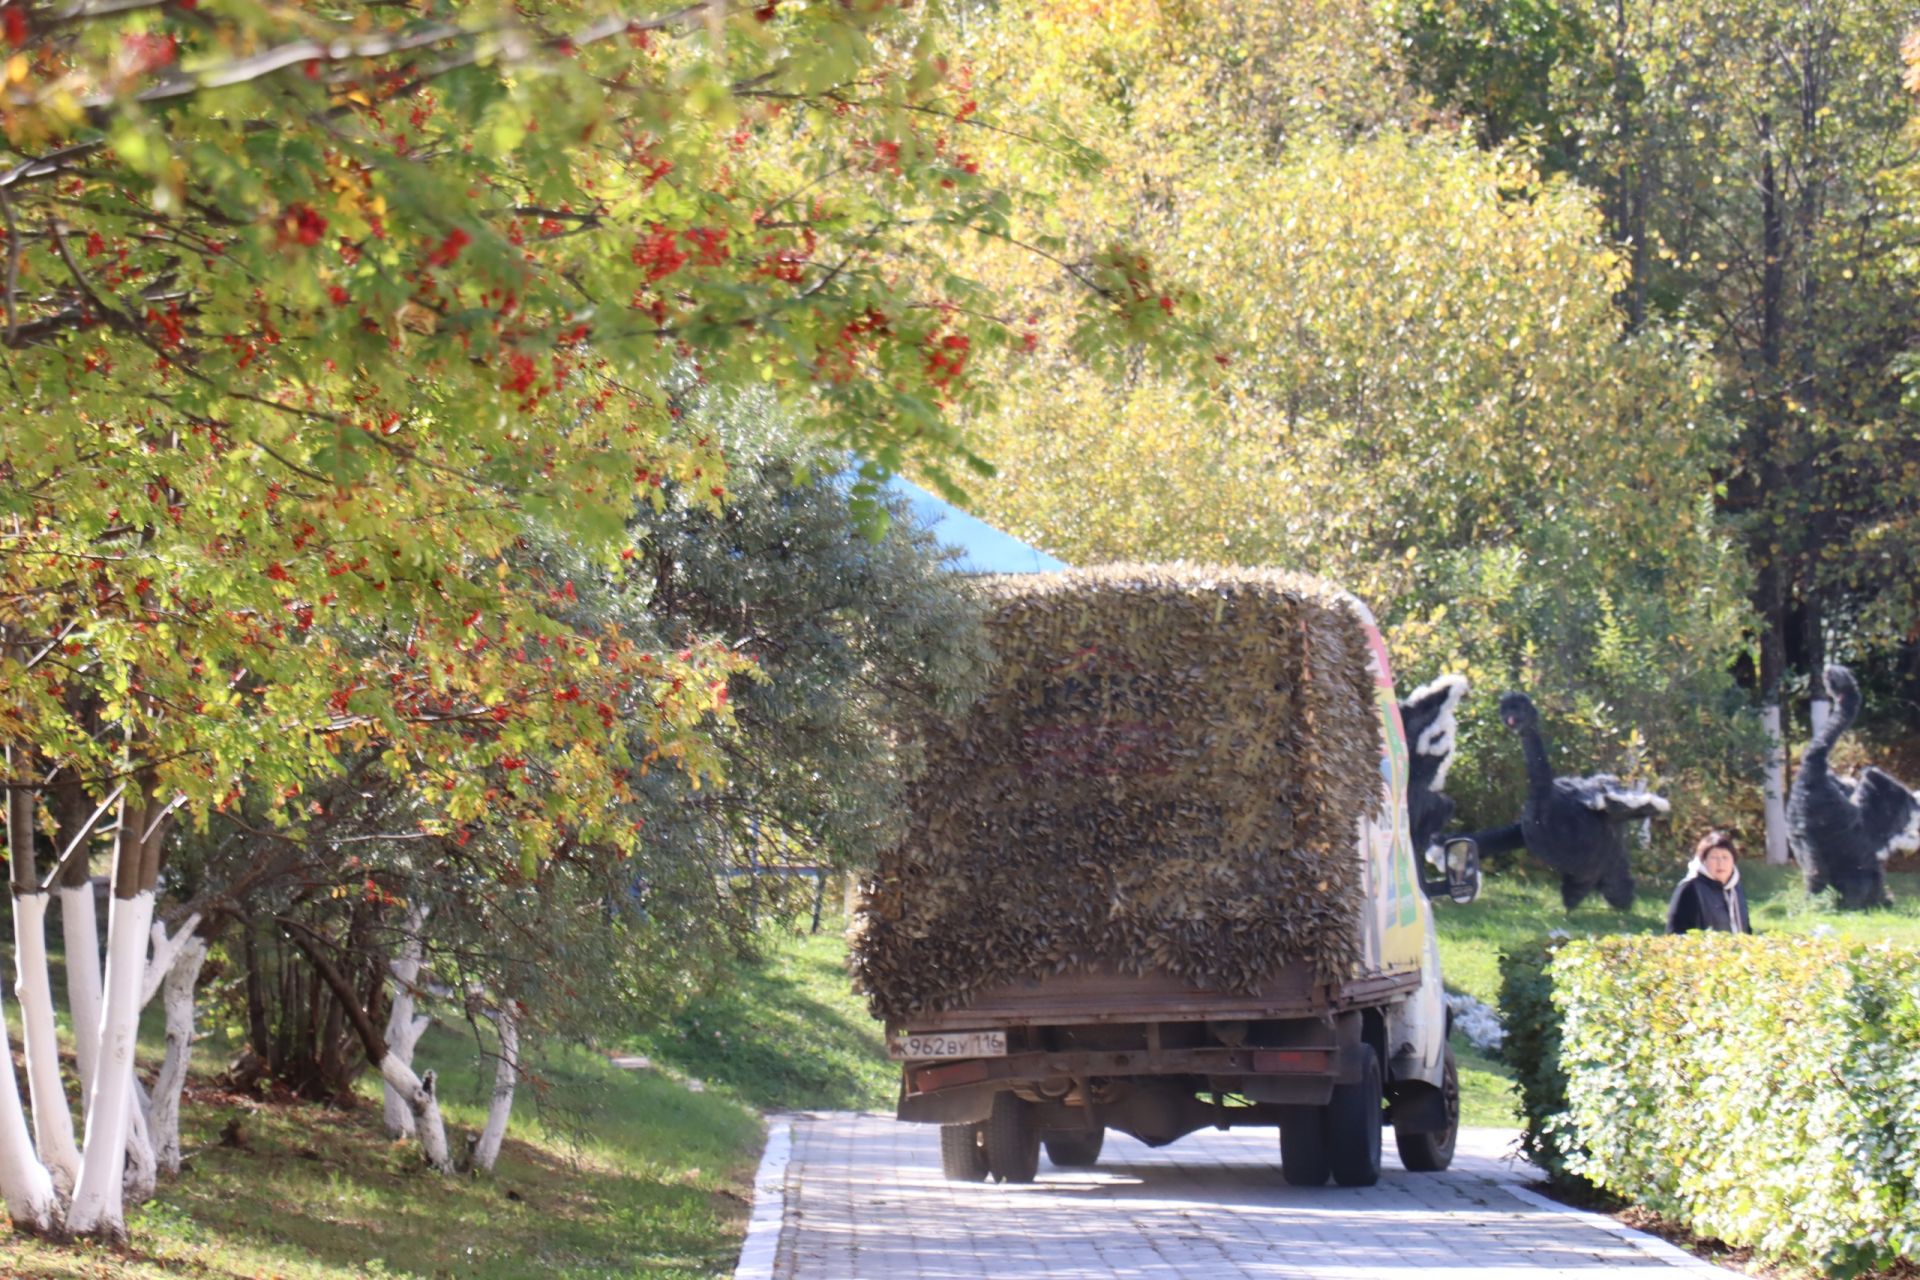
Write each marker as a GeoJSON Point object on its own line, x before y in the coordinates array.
{"type": "Point", "coordinates": [965, 1104]}
{"type": "Point", "coordinates": [1418, 1107]}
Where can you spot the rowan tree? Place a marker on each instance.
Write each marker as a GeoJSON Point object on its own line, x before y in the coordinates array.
{"type": "Point", "coordinates": [315, 315]}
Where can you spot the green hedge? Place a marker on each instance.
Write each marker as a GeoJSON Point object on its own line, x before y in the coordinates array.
{"type": "Point", "coordinates": [1532, 1049]}
{"type": "Point", "coordinates": [1765, 1092]}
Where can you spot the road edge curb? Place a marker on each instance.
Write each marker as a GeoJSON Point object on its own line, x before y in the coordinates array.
{"type": "Point", "coordinates": [762, 1245]}
{"type": "Point", "coordinates": [1651, 1245]}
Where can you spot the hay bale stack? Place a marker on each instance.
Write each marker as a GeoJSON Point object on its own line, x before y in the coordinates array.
{"type": "Point", "coordinates": [1165, 774]}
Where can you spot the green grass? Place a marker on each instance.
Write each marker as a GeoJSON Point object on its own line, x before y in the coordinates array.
{"type": "Point", "coordinates": [605, 1173]}
{"type": "Point", "coordinates": [1519, 903]}
{"type": "Point", "coordinates": [782, 1031]}
{"type": "Point", "coordinates": [1522, 901]}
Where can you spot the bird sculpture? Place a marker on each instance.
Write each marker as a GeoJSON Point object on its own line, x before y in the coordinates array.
{"type": "Point", "coordinates": [1842, 830]}
{"type": "Point", "coordinates": [1428, 719]}
{"type": "Point", "coordinates": [1577, 826]}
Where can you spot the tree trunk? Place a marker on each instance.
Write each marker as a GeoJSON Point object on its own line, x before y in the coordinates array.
{"type": "Point", "coordinates": [1819, 707]}
{"type": "Point", "coordinates": [98, 1206]}
{"type": "Point", "coordinates": [420, 1096]}
{"type": "Point", "coordinates": [1772, 667]}
{"type": "Point", "coordinates": [177, 996]}
{"type": "Point", "coordinates": [24, 1181]}
{"type": "Point", "coordinates": [404, 1028]}
{"type": "Point", "coordinates": [505, 1073]}
{"type": "Point", "coordinates": [33, 985]}
{"type": "Point", "coordinates": [80, 926]}
{"type": "Point", "coordinates": [418, 1091]}
{"type": "Point", "coordinates": [80, 922]}
{"type": "Point", "coordinates": [141, 1178]}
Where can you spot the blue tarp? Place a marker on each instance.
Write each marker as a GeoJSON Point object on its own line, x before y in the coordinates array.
{"type": "Point", "coordinates": [983, 548]}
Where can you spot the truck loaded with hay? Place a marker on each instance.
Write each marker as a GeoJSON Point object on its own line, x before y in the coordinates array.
{"type": "Point", "coordinates": [1158, 878]}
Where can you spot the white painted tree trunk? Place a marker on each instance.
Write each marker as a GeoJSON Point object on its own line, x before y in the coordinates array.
{"type": "Point", "coordinates": [33, 984]}
{"type": "Point", "coordinates": [177, 997]}
{"type": "Point", "coordinates": [165, 951]}
{"type": "Point", "coordinates": [419, 1093]}
{"type": "Point", "coordinates": [24, 1181]}
{"type": "Point", "coordinates": [505, 1073]}
{"type": "Point", "coordinates": [404, 1028]}
{"type": "Point", "coordinates": [1775, 786]}
{"type": "Point", "coordinates": [141, 1178]}
{"type": "Point", "coordinates": [80, 925]}
{"type": "Point", "coordinates": [98, 1204]}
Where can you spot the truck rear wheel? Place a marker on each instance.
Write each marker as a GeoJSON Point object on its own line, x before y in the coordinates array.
{"type": "Point", "coordinates": [1432, 1152]}
{"type": "Point", "coordinates": [1013, 1144]}
{"type": "Point", "coordinates": [963, 1157]}
{"type": "Point", "coordinates": [1303, 1146]}
{"type": "Point", "coordinates": [1075, 1150]}
{"type": "Point", "coordinates": [1353, 1128]}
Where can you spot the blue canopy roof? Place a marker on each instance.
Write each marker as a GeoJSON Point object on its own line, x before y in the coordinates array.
{"type": "Point", "coordinates": [983, 548]}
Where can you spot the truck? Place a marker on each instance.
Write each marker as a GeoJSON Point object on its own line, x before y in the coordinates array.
{"type": "Point", "coordinates": [1330, 1054]}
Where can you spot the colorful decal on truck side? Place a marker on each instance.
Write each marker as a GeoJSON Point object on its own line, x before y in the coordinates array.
{"type": "Point", "coordinates": [1395, 930]}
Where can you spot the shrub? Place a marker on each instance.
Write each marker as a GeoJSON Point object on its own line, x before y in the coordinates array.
{"type": "Point", "coordinates": [1532, 1049]}
{"type": "Point", "coordinates": [1762, 1091]}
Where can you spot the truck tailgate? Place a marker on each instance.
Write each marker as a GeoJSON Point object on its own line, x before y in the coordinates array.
{"type": "Point", "coordinates": [1104, 996]}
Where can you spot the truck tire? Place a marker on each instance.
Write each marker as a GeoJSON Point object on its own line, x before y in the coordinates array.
{"type": "Point", "coordinates": [963, 1158]}
{"type": "Point", "coordinates": [1303, 1146]}
{"type": "Point", "coordinates": [1433, 1152]}
{"type": "Point", "coordinates": [1013, 1144]}
{"type": "Point", "coordinates": [1353, 1128]}
{"type": "Point", "coordinates": [1075, 1150]}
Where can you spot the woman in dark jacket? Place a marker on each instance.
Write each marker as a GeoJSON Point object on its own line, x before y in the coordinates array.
{"type": "Point", "coordinates": [1711, 897]}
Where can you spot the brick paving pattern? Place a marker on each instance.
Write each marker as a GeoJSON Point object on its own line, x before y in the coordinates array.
{"type": "Point", "coordinates": [865, 1201]}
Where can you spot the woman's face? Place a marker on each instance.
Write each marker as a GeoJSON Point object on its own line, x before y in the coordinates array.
{"type": "Point", "coordinates": [1718, 864]}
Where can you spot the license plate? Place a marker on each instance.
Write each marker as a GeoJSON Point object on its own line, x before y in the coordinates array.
{"type": "Point", "coordinates": [920, 1045]}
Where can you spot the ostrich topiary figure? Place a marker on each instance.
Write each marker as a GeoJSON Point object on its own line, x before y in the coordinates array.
{"type": "Point", "coordinates": [1574, 825]}
{"type": "Point", "coordinates": [1427, 716]}
{"type": "Point", "coordinates": [1842, 830]}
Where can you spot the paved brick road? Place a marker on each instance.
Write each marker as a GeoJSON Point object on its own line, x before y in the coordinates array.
{"type": "Point", "coordinates": [865, 1201]}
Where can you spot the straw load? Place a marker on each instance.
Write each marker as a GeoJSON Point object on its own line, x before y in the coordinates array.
{"type": "Point", "coordinates": [1165, 773]}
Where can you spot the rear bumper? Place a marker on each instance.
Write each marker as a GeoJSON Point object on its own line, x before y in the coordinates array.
{"type": "Point", "coordinates": [962, 1092]}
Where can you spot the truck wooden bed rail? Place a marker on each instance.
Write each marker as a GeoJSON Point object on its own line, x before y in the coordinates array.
{"type": "Point", "coordinates": [1080, 997]}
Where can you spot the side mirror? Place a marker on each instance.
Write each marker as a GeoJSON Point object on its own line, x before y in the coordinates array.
{"type": "Point", "coordinates": [1459, 868]}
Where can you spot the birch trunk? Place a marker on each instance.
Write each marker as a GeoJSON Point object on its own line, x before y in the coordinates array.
{"type": "Point", "coordinates": [1774, 790]}
{"type": "Point", "coordinates": [24, 1181]}
{"type": "Point", "coordinates": [505, 1073]}
{"type": "Point", "coordinates": [404, 1028]}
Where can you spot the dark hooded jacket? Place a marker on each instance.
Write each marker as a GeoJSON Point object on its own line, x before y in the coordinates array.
{"type": "Point", "coordinates": [1701, 902]}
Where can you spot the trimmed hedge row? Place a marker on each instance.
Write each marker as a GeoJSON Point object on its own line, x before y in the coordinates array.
{"type": "Point", "coordinates": [1762, 1091]}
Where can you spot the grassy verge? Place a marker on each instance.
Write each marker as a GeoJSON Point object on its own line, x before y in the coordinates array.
{"type": "Point", "coordinates": [782, 1031]}
{"type": "Point", "coordinates": [605, 1173]}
